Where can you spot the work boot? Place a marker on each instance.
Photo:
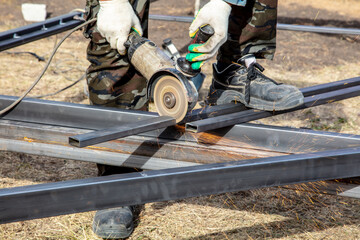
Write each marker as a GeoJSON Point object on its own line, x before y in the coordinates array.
{"type": "Point", "coordinates": [114, 223]}
{"type": "Point", "coordinates": [244, 82]}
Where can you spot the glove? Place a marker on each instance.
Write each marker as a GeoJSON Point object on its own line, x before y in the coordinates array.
{"type": "Point", "coordinates": [115, 20]}
{"type": "Point", "coordinates": [215, 13]}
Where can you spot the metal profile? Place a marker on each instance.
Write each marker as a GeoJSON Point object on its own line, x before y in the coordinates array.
{"type": "Point", "coordinates": [45, 200]}
{"type": "Point", "coordinates": [100, 136]}
{"type": "Point", "coordinates": [101, 156]}
{"type": "Point", "coordinates": [280, 26]}
{"type": "Point", "coordinates": [36, 31]}
{"type": "Point", "coordinates": [250, 115]}
{"type": "Point", "coordinates": [70, 114]}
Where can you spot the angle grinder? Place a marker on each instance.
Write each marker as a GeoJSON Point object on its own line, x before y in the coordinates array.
{"type": "Point", "coordinates": [169, 82]}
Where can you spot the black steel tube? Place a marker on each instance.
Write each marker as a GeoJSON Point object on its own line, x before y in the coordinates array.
{"type": "Point", "coordinates": [45, 200]}
{"type": "Point", "coordinates": [70, 114]}
{"type": "Point", "coordinates": [280, 26]}
{"type": "Point", "coordinates": [250, 115]}
{"type": "Point", "coordinates": [212, 111]}
{"type": "Point", "coordinates": [36, 31]}
{"type": "Point", "coordinates": [318, 29]}
{"type": "Point", "coordinates": [331, 86]}
{"type": "Point", "coordinates": [136, 127]}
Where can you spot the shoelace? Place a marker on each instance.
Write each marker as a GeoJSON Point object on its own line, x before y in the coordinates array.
{"type": "Point", "coordinates": [252, 74]}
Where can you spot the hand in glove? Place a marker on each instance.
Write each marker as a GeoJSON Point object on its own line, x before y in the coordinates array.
{"type": "Point", "coordinates": [114, 22]}
{"type": "Point", "coordinates": [215, 13]}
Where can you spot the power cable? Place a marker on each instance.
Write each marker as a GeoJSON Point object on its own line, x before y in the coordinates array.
{"type": "Point", "coordinates": [39, 58]}
{"type": "Point", "coordinates": [14, 104]}
{"type": "Point", "coordinates": [61, 90]}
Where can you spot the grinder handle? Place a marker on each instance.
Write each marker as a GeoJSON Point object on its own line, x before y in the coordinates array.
{"type": "Point", "coordinates": [203, 34]}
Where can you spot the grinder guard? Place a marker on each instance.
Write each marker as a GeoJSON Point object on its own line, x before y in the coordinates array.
{"type": "Point", "coordinates": [154, 64]}
{"type": "Point", "coordinates": [189, 87]}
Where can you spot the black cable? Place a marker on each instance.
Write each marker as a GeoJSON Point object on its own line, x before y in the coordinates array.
{"type": "Point", "coordinates": [39, 58]}
{"type": "Point", "coordinates": [15, 103]}
{"type": "Point", "coordinates": [61, 90]}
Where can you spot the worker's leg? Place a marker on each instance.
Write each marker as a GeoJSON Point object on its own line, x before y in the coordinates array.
{"type": "Point", "coordinates": [113, 82]}
{"type": "Point", "coordinates": [252, 34]}
{"type": "Point", "coordinates": [111, 79]}
{"type": "Point", "coordinates": [252, 30]}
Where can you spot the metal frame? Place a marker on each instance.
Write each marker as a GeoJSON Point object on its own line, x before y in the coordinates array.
{"type": "Point", "coordinates": [44, 200]}
{"type": "Point", "coordinates": [43, 127]}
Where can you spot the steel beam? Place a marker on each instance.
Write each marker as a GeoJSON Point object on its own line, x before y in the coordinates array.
{"type": "Point", "coordinates": [45, 200]}
{"type": "Point", "coordinates": [318, 29]}
{"type": "Point", "coordinates": [331, 86]}
{"type": "Point", "coordinates": [101, 156]}
{"type": "Point", "coordinates": [280, 26]}
{"type": "Point", "coordinates": [250, 115]}
{"type": "Point", "coordinates": [136, 127]}
{"type": "Point", "coordinates": [212, 111]}
{"type": "Point", "coordinates": [36, 31]}
{"type": "Point", "coordinates": [70, 114]}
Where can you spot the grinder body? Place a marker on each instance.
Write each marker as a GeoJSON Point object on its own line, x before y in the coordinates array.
{"type": "Point", "coordinates": [173, 93]}
{"type": "Point", "coordinates": [146, 57]}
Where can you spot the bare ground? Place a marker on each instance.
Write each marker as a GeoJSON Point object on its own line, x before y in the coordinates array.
{"type": "Point", "coordinates": [302, 59]}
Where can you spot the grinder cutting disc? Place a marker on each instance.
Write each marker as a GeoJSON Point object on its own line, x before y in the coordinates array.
{"type": "Point", "coordinates": [170, 98]}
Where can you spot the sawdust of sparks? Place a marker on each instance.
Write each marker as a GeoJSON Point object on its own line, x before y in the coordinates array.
{"type": "Point", "coordinates": [313, 192]}
{"type": "Point", "coordinates": [206, 139]}
{"type": "Point", "coordinates": [28, 139]}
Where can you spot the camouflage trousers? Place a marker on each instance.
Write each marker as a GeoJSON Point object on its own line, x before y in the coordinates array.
{"type": "Point", "coordinates": [114, 82]}
{"type": "Point", "coordinates": [252, 30]}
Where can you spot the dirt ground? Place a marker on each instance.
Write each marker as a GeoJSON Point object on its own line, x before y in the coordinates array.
{"type": "Point", "coordinates": [302, 59]}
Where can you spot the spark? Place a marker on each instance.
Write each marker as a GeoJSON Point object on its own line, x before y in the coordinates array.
{"type": "Point", "coordinates": [225, 235]}
{"type": "Point", "coordinates": [232, 201]}
{"type": "Point", "coordinates": [28, 139]}
{"type": "Point", "coordinates": [316, 15]}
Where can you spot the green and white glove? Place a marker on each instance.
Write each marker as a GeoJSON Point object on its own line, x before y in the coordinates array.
{"type": "Point", "coordinates": [115, 20]}
{"type": "Point", "coordinates": [215, 13]}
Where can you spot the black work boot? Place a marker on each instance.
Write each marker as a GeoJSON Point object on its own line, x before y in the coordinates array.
{"type": "Point", "coordinates": [243, 82]}
{"type": "Point", "coordinates": [114, 223]}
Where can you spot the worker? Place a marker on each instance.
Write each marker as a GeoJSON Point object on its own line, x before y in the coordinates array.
{"type": "Point", "coordinates": [244, 31]}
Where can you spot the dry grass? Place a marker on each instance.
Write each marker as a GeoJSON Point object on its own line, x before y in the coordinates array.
{"type": "Point", "coordinates": [343, 7]}
{"type": "Point", "coordinates": [68, 65]}
{"type": "Point", "coordinates": [261, 214]}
